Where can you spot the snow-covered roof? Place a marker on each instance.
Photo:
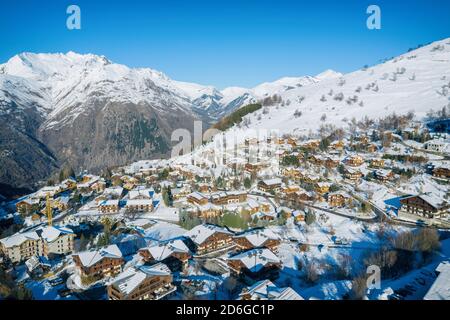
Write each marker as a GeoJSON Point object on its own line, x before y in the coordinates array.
{"type": "Point", "coordinates": [19, 238]}
{"type": "Point", "coordinates": [140, 193]}
{"type": "Point", "coordinates": [163, 250]}
{"type": "Point", "coordinates": [89, 258]}
{"type": "Point", "coordinates": [131, 278]}
{"type": "Point", "coordinates": [117, 191]}
{"type": "Point", "coordinates": [258, 237]}
{"type": "Point", "coordinates": [110, 203]}
{"type": "Point", "coordinates": [50, 234]}
{"type": "Point", "coordinates": [139, 202]}
{"type": "Point", "coordinates": [256, 259]}
{"type": "Point", "coordinates": [271, 182]}
{"type": "Point", "coordinates": [202, 232]}
{"type": "Point", "coordinates": [266, 290]}
{"type": "Point", "coordinates": [197, 195]}
{"type": "Point", "coordinates": [440, 290]}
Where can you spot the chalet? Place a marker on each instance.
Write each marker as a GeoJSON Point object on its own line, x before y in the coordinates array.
{"type": "Point", "coordinates": [257, 238]}
{"type": "Point", "coordinates": [354, 160]}
{"type": "Point", "coordinates": [425, 205]}
{"type": "Point", "coordinates": [384, 175]}
{"type": "Point", "coordinates": [292, 142]}
{"type": "Point", "coordinates": [311, 144]}
{"type": "Point", "coordinates": [371, 147]}
{"type": "Point", "coordinates": [203, 187]}
{"type": "Point", "coordinates": [317, 159]}
{"type": "Point", "coordinates": [208, 210]}
{"type": "Point", "coordinates": [229, 197]}
{"type": "Point", "coordinates": [309, 177]}
{"type": "Point", "coordinates": [197, 198]}
{"type": "Point", "coordinates": [255, 264]}
{"type": "Point", "coordinates": [292, 173]}
{"type": "Point", "coordinates": [266, 290]}
{"type": "Point", "coordinates": [337, 199]}
{"type": "Point", "coordinates": [322, 187]}
{"type": "Point", "coordinates": [109, 206]}
{"type": "Point", "coordinates": [353, 175]}
{"type": "Point", "coordinates": [68, 184]}
{"type": "Point", "coordinates": [99, 186]}
{"type": "Point", "coordinates": [298, 215]}
{"type": "Point", "coordinates": [113, 192]}
{"type": "Point", "coordinates": [27, 205]}
{"type": "Point", "coordinates": [209, 238]}
{"type": "Point", "coordinates": [48, 190]}
{"type": "Point", "coordinates": [337, 145]}
{"type": "Point", "coordinates": [301, 196]}
{"type": "Point", "coordinates": [442, 170]}
{"type": "Point", "coordinates": [139, 205]}
{"type": "Point", "coordinates": [264, 216]}
{"type": "Point", "coordinates": [331, 162]}
{"type": "Point", "coordinates": [284, 212]}
{"type": "Point", "coordinates": [141, 193]}
{"type": "Point", "coordinates": [270, 185]}
{"type": "Point", "coordinates": [290, 189]}
{"type": "Point", "coordinates": [174, 253]}
{"type": "Point", "coordinates": [107, 261]}
{"type": "Point", "coordinates": [61, 203]}
{"type": "Point", "coordinates": [142, 283]}
{"type": "Point", "coordinates": [252, 206]}
{"type": "Point", "coordinates": [253, 167]}
{"type": "Point", "coordinates": [377, 163]}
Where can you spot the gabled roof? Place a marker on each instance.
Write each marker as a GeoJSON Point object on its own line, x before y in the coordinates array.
{"type": "Point", "coordinates": [431, 199]}
{"type": "Point", "coordinates": [256, 259]}
{"type": "Point", "coordinates": [131, 278]}
{"type": "Point", "coordinates": [202, 232]}
{"type": "Point", "coordinates": [272, 182]}
{"type": "Point", "coordinates": [162, 251]}
{"type": "Point", "coordinates": [257, 237]}
{"type": "Point", "coordinates": [266, 290]}
{"type": "Point", "coordinates": [89, 258]}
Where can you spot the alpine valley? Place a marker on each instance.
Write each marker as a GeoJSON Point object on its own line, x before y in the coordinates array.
{"type": "Point", "coordinates": [87, 112]}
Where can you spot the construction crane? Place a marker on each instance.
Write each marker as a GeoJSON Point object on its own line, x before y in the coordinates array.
{"type": "Point", "coordinates": [49, 210]}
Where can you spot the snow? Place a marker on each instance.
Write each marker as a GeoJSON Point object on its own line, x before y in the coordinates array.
{"type": "Point", "coordinates": [256, 259]}
{"type": "Point", "coordinates": [89, 258]}
{"type": "Point", "coordinates": [431, 70]}
{"type": "Point", "coordinates": [164, 231]}
{"type": "Point", "coordinates": [202, 232]}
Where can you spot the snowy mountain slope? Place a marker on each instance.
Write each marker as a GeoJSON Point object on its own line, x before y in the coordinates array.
{"type": "Point", "coordinates": [416, 81]}
{"type": "Point", "coordinates": [87, 111]}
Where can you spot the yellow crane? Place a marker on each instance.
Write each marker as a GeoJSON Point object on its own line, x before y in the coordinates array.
{"type": "Point", "coordinates": [49, 210]}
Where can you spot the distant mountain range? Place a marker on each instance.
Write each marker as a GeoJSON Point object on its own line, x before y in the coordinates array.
{"type": "Point", "coordinates": [90, 113]}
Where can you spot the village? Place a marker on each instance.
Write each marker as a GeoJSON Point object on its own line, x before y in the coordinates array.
{"type": "Point", "coordinates": [281, 218]}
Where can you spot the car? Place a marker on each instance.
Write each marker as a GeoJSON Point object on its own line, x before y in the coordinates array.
{"type": "Point", "coordinates": [56, 281]}
{"type": "Point", "coordinates": [65, 292]}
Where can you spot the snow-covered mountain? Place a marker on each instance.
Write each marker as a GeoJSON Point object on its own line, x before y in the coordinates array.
{"type": "Point", "coordinates": [220, 103]}
{"type": "Point", "coordinates": [416, 81]}
{"type": "Point", "coordinates": [89, 112]}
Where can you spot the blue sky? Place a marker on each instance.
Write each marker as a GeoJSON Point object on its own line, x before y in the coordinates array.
{"type": "Point", "coordinates": [225, 43]}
